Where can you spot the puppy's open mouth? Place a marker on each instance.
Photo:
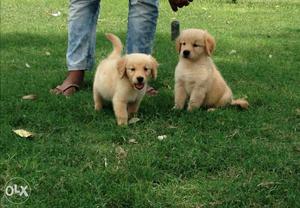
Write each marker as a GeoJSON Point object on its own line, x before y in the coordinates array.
{"type": "Point", "coordinates": [139, 86]}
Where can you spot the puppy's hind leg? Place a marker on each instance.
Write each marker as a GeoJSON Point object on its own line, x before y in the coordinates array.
{"type": "Point", "coordinates": [242, 103]}
{"type": "Point", "coordinates": [97, 100]}
{"type": "Point", "coordinates": [226, 99]}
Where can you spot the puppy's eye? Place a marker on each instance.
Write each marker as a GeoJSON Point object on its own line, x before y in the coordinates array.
{"type": "Point", "coordinates": [132, 69]}
{"type": "Point", "coordinates": [196, 45]}
{"type": "Point", "coordinates": [145, 68]}
{"type": "Point", "coordinates": [183, 43]}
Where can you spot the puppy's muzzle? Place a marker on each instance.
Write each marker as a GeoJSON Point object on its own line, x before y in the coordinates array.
{"type": "Point", "coordinates": [140, 83]}
{"type": "Point", "coordinates": [186, 53]}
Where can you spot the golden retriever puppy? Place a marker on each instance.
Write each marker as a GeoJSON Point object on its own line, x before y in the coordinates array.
{"type": "Point", "coordinates": [196, 75]}
{"type": "Point", "coordinates": [123, 80]}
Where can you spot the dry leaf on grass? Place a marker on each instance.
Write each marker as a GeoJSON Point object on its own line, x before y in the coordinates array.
{"type": "Point", "coordinates": [235, 132]}
{"type": "Point", "coordinates": [121, 153]}
{"type": "Point", "coordinates": [47, 53]}
{"type": "Point", "coordinates": [105, 162]}
{"type": "Point", "coordinates": [297, 148]}
{"type": "Point", "coordinates": [161, 137]}
{"type": "Point", "coordinates": [267, 184]}
{"type": "Point", "coordinates": [232, 52]}
{"type": "Point", "coordinates": [27, 65]}
{"type": "Point", "coordinates": [134, 120]}
{"type": "Point", "coordinates": [56, 14]}
{"type": "Point", "coordinates": [23, 133]}
{"type": "Point", "coordinates": [29, 97]}
{"type": "Point", "coordinates": [215, 203]}
{"type": "Point", "coordinates": [298, 111]}
{"type": "Point", "coordinates": [132, 141]}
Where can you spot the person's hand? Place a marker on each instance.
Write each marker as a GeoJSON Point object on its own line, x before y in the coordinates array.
{"type": "Point", "coordinates": [175, 4]}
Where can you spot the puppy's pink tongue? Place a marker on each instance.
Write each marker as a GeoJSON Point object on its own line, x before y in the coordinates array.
{"type": "Point", "coordinates": [139, 86]}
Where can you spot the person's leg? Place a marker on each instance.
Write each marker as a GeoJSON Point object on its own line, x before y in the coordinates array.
{"type": "Point", "coordinates": [82, 22]}
{"type": "Point", "coordinates": [142, 19]}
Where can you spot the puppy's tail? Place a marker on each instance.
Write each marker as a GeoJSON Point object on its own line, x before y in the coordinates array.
{"type": "Point", "coordinates": [117, 44]}
{"type": "Point", "coordinates": [242, 103]}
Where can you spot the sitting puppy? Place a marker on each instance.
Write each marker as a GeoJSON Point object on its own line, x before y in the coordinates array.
{"type": "Point", "coordinates": [197, 76]}
{"type": "Point", "coordinates": [123, 80]}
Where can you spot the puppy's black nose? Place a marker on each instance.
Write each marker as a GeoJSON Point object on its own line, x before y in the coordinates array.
{"type": "Point", "coordinates": [186, 53]}
{"type": "Point", "coordinates": [140, 79]}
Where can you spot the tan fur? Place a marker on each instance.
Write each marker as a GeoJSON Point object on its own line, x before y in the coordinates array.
{"type": "Point", "coordinates": [116, 80]}
{"type": "Point", "coordinates": [197, 77]}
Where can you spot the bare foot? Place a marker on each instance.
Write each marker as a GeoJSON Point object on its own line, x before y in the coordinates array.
{"type": "Point", "coordinates": [71, 84]}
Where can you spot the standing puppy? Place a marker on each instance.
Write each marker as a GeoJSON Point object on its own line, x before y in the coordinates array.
{"type": "Point", "coordinates": [197, 77]}
{"type": "Point", "coordinates": [123, 80]}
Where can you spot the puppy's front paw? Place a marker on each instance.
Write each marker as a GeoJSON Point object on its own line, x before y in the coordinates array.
{"type": "Point", "coordinates": [98, 107]}
{"type": "Point", "coordinates": [191, 108]}
{"type": "Point", "coordinates": [177, 107]}
{"type": "Point", "coordinates": [122, 121]}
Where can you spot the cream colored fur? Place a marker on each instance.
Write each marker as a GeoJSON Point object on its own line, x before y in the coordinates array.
{"type": "Point", "coordinates": [197, 77]}
{"type": "Point", "coordinates": [116, 80]}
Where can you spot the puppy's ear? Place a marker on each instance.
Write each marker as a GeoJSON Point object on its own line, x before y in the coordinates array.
{"type": "Point", "coordinates": [154, 66]}
{"type": "Point", "coordinates": [121, 66]}
{"type": "Point", "coordinates": [178, 45]}
{"type": "Point", "coordinates": [210, 43]}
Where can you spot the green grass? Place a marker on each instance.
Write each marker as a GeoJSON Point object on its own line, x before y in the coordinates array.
{"type": "Point", "coordinates": [225, 158]}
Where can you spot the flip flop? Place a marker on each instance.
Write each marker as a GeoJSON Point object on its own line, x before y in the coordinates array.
{"type": "Point", "coordinates": [61, 89]}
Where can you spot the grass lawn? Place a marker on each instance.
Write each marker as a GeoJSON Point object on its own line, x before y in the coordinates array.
{"type": "Point", "coordinates": [224, 158]}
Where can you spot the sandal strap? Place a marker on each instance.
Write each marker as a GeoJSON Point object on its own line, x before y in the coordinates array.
{"type": "Point", "coordinates": [63, 88]}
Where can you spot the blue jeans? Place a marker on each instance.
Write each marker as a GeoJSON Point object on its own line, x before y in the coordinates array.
{"type": "Point", "coordinates": [82, 22]}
